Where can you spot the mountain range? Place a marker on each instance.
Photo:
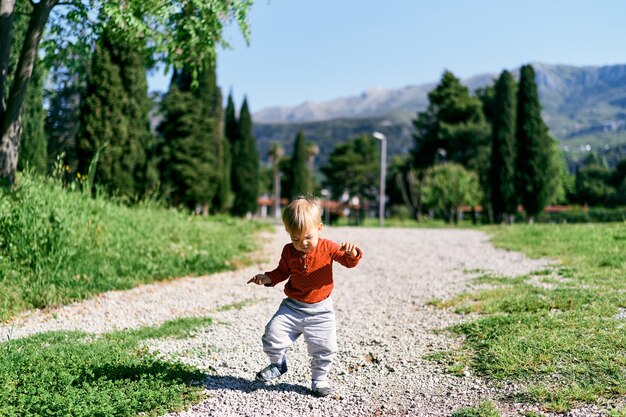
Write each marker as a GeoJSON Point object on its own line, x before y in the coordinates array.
{"type": "Point", "coordinates": [584, 107]}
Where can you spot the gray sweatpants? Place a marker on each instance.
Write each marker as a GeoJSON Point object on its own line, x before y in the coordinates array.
{"type": "Point", "coordinates": [316, 322]}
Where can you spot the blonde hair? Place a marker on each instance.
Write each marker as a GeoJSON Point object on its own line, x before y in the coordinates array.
{"type": "Point", "coordinates": [301, 213]}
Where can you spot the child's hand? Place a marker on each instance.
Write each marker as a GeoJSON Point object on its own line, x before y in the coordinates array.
{"type": "Point", "coordinates": [349, 248]}
{"type": "Point", "coordinates": [260, 279]}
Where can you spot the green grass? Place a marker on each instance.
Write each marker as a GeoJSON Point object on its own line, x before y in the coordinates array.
{"type": "Point", "coordinates": [485, 409]}
{"type": "Point", "coordinates": [401, 222]}
{"type": "Point", "coordinates": [81, 374]}
{"type": "Point", "coordinates": [57, 246]}
{"type": "Point", "coordinates": [563, 342]}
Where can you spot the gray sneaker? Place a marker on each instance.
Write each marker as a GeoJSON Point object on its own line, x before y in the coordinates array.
{"type": "Point", "coordinates": [321, 388]}
{"type": "Point", "coordinates": [271, 372]}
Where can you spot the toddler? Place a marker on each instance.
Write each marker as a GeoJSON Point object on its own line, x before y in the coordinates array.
{"type": "Point", "coordinates": [306, 264]}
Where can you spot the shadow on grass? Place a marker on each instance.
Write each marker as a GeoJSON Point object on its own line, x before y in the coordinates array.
{"type": "Point", "coordinates": [233, 383]}
{"type": "Point", "coordinates": [169, 373]}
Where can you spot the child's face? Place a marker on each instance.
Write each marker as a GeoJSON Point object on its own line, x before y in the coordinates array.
{"type": "Point", "coordinates": [306, 240]}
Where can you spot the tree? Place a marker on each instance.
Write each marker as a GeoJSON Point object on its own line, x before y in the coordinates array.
{"type": "Point", "coordinates": [33, 148]}
{"type": "Point", "coordinates": [312, 150]}
{"type": "Point", "coordinates": [118, 116]}
{"type": "Point", "coordinates": [245, 166]}
{"type": "Point", "coordinates": [619, 181]}
{"type": "Point", "coordinates": [593, 185]}
{"type": "Point", "coordinates": [189, 165]}
{"type": "Point", "coordinates": [103, 121]}
{"type": "Point", "coordinates": [175, 38]}
{"type": "Point", "coordinates": [222, 200]}
{"type": "Point", "coordinates": [210, 97]}
{"type": "Point", "coordinates": [534, 148]}
{"type": "Point", "coordinates": [132, 65]}
{"type": "Point", "coordinates": [299, 174]}
{"type": "Point", "coordinates": [231, 133]}
{"type": "Point", "coordinates": [449, 186]}
{"type": "Point", "coordinates": [502, 170]}
{"type": "Point", "coordinates": [453, 128]}
{"type": "Point", "coordinates": [275, 155]}
{"type": "Point", "coordinates": [354, 166]}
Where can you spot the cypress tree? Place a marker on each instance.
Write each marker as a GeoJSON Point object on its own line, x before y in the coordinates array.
{"type": "Point", "coordinates": [188, 160]}
{"type": "Point", "coordinates": [299, 173]}
{"type": "Point", "coordinates": [210, 97]}
{"type": "Point", "coordinates": [534, 147]}
{"type": "Point", "coordinates": [118, 116]}
{"type": "Point", "coordinates": [102, 120]}
{"type": "Point", "coordinates": [245, 165]}
{"type": "Point", "coordinates": [502, 170]}
{"type": "Point", "coordinates": [231, 131]}
{"type": "Point", "coordinates": [132, 65]}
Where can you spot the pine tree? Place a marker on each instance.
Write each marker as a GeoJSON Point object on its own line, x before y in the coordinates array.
{"type": "Point", "coordinates": [210, 97]}
{"type": "Point", "coordinates": [454, 123]}
{"type": "Point", "coordinates": [453, 128]}
{"type": "Point", "coordinates": [502, 170]}
{"type": "Point", "coordinates": [534, 147]}
{"type": "Point", "coordinates": [102, 121]}
{"type": "Point", "coordinates": [116, 115]}
{"type": "Point", "coordinates": [299, 173]}
{"type": "Point", "coordinates": [132, 65]}
{"type": "Point", "coordinates": [188, 162]}
{"type": "Point", "coordinates": [245, 165]}
{"type": "Point", "coordinates": [231, 132]}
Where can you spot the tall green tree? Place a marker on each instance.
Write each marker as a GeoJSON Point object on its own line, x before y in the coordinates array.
{"type": "Point", "coordinates": [190, 172]}
{"type": "Point", "coordinates": [133, 65]}
{"type": "Point", "coordinates": [502, 170]}
{"type": "Point", "coordinates": [275, 155]}
{"type": "Point", "coordinates": [534, 147]}
{"type": "Point", "coordinates": [116, 116]}
{"type": "Point", "coordinates": [175, 38]}
{"type": "Point", "coordinates": [452, 129]}
{"type": "Point", "coordinates": [453, 122]}
{"type": "Point", "coordinates": [299, 174]}
{"type": "Point", "coordinates": [354, 166]}
{"type": "Point", "coordinates": [245, 178]}
{"type": "Point", "coordinates": [210, 96]}
{"type": "Point", "coordinates": [103, 122]}
{"type": "Point", "coordinates": [231, 134]}
{"type": "Point", "coordinates": [223, 199]}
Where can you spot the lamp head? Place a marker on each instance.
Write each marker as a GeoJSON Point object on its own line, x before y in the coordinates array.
{"type": "Point", "coordinates": [379, 136]}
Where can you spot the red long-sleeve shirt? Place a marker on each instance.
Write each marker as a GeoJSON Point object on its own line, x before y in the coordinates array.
{"type": "Point", "coordinates": [310, 274]}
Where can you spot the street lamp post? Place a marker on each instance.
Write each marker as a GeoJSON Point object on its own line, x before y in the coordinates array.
{"type": "Point", "coordinates": [383, 172]}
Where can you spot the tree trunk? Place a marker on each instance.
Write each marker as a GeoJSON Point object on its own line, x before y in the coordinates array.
{"type": "Point", "coordinates": [10, 122]}
{"type": "Point", "coordinates": [7, 8]}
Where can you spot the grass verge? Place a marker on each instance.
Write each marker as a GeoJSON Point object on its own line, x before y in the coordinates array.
{"type": "Point", "coordinates": [485, 409]}
{"type": "Point", "coordinates": [565, 342]}
{"type": "Point", "coordinates": [80, 374]}
{"type": "Point", "coordinates": [57, 246]}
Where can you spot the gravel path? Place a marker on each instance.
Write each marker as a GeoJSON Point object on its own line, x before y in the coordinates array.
{"type": "Point", "coordinates": [384, 327]}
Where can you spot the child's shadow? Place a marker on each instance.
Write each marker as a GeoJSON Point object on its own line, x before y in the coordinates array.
{"type": "Point", "coordinates": [234, 383]}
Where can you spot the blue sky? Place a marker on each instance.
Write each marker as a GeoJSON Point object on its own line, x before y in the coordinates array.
{"type": "Point", "coordinates": [318, 50]}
